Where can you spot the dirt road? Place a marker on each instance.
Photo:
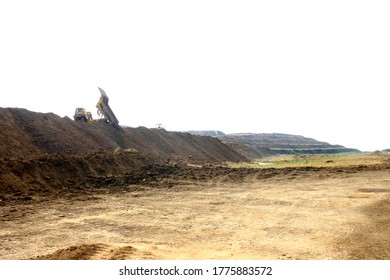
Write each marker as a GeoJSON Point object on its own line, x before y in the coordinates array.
{"type": "Point", "coordinates": [279, 214]}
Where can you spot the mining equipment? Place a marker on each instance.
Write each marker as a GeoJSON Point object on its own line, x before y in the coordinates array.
{"type": "Point", "coordinates": [82, 115]}
{"type": "Point", "coordinates": [104, 112]}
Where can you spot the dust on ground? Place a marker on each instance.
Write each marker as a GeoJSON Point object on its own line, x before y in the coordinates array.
{"type": "Point", "coordinates": [179, 212]}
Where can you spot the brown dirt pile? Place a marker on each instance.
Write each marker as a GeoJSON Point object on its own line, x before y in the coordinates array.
{"type": "Point", "coordinates": [51, 174]}
{"type": "Point", "coordinates": [83, 252]}
{"type": "Point", "coordinates": [24, 133]}
{"type": "Point", "coordinates": [44, 153]}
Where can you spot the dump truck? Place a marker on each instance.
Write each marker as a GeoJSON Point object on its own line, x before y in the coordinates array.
{"type": "Point", "coordinates": [105, 112]}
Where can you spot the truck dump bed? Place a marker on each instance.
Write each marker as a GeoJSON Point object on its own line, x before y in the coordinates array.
{"type": "Point", "coordinates": [105, 109]}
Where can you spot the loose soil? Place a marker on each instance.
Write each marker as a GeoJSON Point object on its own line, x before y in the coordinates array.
{"type": "Point", "coordinates": [24, 134]}
{"type": "Point", "coordinates": [182, 212]}
{"type": "Point", "coordinates": [73, 190]}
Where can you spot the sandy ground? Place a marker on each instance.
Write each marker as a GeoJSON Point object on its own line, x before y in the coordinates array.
{"type": "Point", "coordinates": [301, 215]}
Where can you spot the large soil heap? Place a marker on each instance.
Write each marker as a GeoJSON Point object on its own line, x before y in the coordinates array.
{"type": "Point", "coordinates": [25, 133]}
{"type": "Point", "coordinates": [40, 151]}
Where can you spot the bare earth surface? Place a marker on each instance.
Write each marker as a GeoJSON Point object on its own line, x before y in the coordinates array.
{"type": "Point", "coordinates": [198, 213]}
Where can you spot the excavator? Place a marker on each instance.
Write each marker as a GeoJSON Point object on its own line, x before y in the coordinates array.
{"type": "Point", "coordinates": [104, 112]}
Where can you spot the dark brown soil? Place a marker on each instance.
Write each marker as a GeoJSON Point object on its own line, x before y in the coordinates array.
{"type": "Point", "coordinates": [43, 153]}
{"type": "Point", "coordinates": [24, 133]}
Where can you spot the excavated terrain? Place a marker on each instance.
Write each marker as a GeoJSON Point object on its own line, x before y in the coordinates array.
{"type": "Point", "coordinates": [43, 152]}
{"type": "Point", "coordinates": [87, 191]}
{"type": "Point", "coordinates": [24, 134]}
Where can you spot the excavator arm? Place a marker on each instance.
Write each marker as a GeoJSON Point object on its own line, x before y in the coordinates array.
{"type": "Point", "coordinates": [105, 110]}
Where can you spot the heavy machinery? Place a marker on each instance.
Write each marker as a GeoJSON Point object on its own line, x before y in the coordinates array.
{"type": "Point", "coordinates": [82, 115]}
{"type": "Point", "coordinates": [104, 112]}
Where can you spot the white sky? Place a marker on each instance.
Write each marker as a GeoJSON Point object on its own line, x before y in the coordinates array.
{"type": "Point", "coordinates": [319, 69]}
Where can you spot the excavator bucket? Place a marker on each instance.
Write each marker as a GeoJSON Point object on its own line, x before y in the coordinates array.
{"type": "Point", "coordinates": [105, 110]}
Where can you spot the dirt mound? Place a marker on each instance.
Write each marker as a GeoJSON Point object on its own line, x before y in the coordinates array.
{"type": "Point", "coordinates": [40, 133]}
{"type": "Point", "coordinates": [97, 251]}
{"type": "Point", "coordinates": [52, 174]}
{"type": "Point", "coordinates": [82, 252]}
{"type": "Point", "coordinates": [10, 137]}
{"type": "Point", "coordinates": [24, 133]}
{"type": "Point", "coordinates": [44, 153]}
{"type": "Point", "coordinates": [179, 146]}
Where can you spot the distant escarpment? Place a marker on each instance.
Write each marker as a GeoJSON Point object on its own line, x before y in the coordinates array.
{"type": "Point", "coordinates": [258, 145]}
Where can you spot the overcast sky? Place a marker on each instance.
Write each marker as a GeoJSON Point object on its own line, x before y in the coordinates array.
{"type": "Point", "coordinates": [320, 69]}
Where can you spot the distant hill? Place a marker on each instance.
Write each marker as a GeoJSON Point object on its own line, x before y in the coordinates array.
{"type": "Point", "coordinates": [257, 145]}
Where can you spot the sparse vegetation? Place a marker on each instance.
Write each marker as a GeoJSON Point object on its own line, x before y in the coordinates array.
{"type": "Point", "coordinates": [325, 160]}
